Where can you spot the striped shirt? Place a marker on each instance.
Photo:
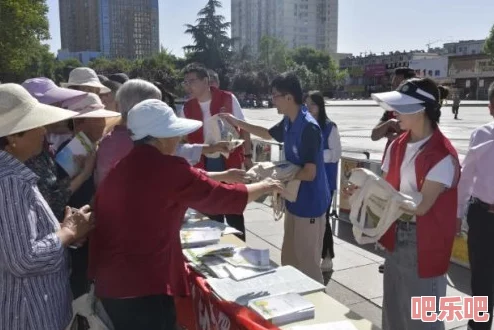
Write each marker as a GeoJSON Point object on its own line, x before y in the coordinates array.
{"type": "Point", "coordinates": [34, 271]}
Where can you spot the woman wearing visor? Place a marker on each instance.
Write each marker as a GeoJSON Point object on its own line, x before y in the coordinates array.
{"type": "Point", "coordinates": [423, 164]}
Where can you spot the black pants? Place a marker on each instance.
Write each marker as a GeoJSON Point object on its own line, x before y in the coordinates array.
{"type": "Point", "coordinates": [234, 220]}
{"type": "Point", "coordinates": [150, 313]}
{"type": "Point", "coordinates": [328, 243]}
{"type": "Point", "coordinates": [456, 110]}
{"type": "Point", "coordinates": [79, 282]}
{"type": "Point", "coordinates": [480, 249]}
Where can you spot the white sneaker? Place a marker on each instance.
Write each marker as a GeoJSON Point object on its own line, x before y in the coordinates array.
{"type": "Point", "coordinates": [327, 264]}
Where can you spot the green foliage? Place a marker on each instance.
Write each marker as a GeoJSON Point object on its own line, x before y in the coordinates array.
{"type": "Point", "coordinates": [212, 45]}
{"type": "Point", "coordinates": [23, 24]}
{"type": "Point", "coordinates": [489, 44]}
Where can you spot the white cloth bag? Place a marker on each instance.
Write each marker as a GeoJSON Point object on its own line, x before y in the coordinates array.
{"type": "Point", "coordinates": [283, 171]}
{"type": "Point", "coordinates": [90, 308]}
{"type": "Point", "coordinates": [218, 130]}
{"type": "Point", "coordinates": [376, 205]}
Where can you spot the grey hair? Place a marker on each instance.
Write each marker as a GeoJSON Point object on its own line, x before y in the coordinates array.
{"type": "Point", "coordinates": [135, 91]}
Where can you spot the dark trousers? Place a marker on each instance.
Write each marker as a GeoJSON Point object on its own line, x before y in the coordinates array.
{"type": "Point", "coordinates": [79, 282]}
{"type": "Point", "coordinates": [233, 220]}
{"type": "Point", "coordinates": [480, 253]}
{"type": "Point", "coordinates": [150, 313]}
{"type": "Point", "coordinates": [328, 243]}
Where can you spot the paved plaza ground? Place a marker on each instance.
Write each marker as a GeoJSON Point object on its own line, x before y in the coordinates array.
{"type": "Point", "coordinates": [355, 281]}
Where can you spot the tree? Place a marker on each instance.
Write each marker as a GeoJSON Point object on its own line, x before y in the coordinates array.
{"type": "Point", "coordinates": [273, 54]}
{"type": "Point", "coordinates": [312, 58]}
{"type": "Point", "coordinates": [489, 44]}
{"type": "Point", "coordinates": [212, 45]}
{"type": "Point", "coordinates": [23, 24]}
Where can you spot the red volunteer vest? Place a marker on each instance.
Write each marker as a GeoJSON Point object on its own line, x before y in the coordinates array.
{"type": "Point", "coordinates": [435, 230]}
{"type": "Point", "coordinates": [221, 102]}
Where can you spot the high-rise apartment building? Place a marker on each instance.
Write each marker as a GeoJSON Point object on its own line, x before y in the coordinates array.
{"type": "Point", "coordinates": [298, 23]}
{"type": "Point", "coordinates": [114, 28]}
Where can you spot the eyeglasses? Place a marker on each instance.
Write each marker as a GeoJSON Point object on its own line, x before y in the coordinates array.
{"type": "Point", "coordinates": [188, 82]}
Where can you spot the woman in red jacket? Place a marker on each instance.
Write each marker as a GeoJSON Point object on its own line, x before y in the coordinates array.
{"type": "Point", "coordinates": [421, 163]}
{"type": "Point", "coordinates": [135, 254]}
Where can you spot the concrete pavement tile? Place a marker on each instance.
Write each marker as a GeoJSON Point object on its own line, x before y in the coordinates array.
{"type": "Point", "coordinates": [256, 215]}
{"type": "Point", "coordinates": [461, 327]}
{"type": "Point", "coordinates": [459, 278]}
{"type": "Point", "coordinates": [337, 240]}
{"type": "Point", "coordinates": [345, 259]}
{"type": "Point", "coordinates": [378, 301]}
{"type": "Point", "coordinates": [369, 311]}
{"type": "Point", "coordinates": [365, 280]}
{"type": "Point", "coordinates": [456, 325]}
{"type": "Point", "coordinates": [266, 228]}
{"type": "Point", "coordinates": [367, 251]}
{"type": "Point", "coordinates": [342, 294]}
{"type": "Point", "coordinates": [276, 240]}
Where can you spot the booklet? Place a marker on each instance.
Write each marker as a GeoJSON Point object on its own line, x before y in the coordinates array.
{"type": "Point", "coordinates": [197, 223]}
{"type": "Point", "coordinates": [199, 237]}
{"type": "Point", "coordinates": [284, 308]}
{"type": "Point", "coordinates": [249, 258]}
{"type": "Point", "coordinates": [80, 145]}
{"type": "Point", "coordinates": [284, 279]}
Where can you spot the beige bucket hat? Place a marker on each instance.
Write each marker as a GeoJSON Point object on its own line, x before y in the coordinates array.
{"type": "Point", "coordinates": [90, 107]}
{"type": "Point", "coordinates": [85, 77]}
{"type": "Point", "coordinates": [20, 112]}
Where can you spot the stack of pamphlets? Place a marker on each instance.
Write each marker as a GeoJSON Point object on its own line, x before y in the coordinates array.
{"type": "Point", "coordinates": [196, 237]}
{"type": "Point", "coordinates": [284, 308]}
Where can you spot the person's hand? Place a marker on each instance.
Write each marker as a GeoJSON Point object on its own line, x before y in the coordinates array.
{"type": "Point", "coordinates": [229, 118]}
{"type": "Point", "coordinates": [235, 175]}
{"type": "Point", "coordinates": [89, 164]}
{"type": "Point", "coordinates": [393, 125]}
{"type": "Point", "coordinates": [78, 222]}
{"type": "Point", "coordinates": [459, 222]}
{"type": "Point", "coordinates": [273, 185]}
{"type": "Point", "coordinates": [248, 163]}
{"type": "Point", "coordinates": [349, 190]}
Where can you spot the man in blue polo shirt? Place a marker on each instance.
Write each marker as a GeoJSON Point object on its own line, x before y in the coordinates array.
{"type": "Point", "coordinates": [298, 130]}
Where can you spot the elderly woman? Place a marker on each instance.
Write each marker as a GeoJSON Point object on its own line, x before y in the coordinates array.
{"type": "Point", "coordinates": [34, 290]}
{"type": "Point", "coordinates": [135, 253]}
{"type": "Point", "coordinates": [55, 189]}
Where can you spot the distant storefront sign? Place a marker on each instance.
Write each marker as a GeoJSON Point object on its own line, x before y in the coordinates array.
{"type": "Point", "coordinates": [375, 70]}
{"type": "Point", "coordinates": [484, 66]}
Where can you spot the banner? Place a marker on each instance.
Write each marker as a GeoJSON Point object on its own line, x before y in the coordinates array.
{"type": "Point", "coordinates": [375, 70]}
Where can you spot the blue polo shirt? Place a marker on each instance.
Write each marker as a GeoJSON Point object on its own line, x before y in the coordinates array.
{"type": "Point", "coordinates": [303, 145]}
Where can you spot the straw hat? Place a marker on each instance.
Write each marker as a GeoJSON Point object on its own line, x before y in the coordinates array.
{"type": "Point", "coordinates": [20, 112]}
{"type": "Point", "coordinates": [90, 107]}
{"type": "Point", "coordinates": [85, 77]}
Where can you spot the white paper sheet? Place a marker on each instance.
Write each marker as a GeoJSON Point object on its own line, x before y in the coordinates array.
{"type": "Point", "coordinates": [283, 280]}
{"type": "Point", "coordinates": [341, 325]}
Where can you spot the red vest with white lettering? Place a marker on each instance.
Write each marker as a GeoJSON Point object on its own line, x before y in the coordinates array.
{"type": "Point", "coordinates": [437, 228]}
{"type": "Point", "coordinates": [221, 101]}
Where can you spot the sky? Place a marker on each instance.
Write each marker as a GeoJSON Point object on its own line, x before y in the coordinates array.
{"type": "Point", "coordinates": [364, 25]}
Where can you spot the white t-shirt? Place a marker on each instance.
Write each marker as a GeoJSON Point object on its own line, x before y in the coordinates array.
{"type": "Point", "coordinates": [333, 154]}
{"type": "Point", "coordinates": [206, 113]}
{"type": "Point", "coordinates": [443, 172]}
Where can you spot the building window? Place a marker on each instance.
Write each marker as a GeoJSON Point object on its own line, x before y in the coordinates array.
{"type": "Point", "coordinates": [437, 73]}
{"type": "Point", "coordinates": [430, 72]}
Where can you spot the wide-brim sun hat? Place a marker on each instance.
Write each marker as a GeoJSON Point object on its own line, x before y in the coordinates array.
{"type": "Point", "coordinates": [407, 99]}
{"type": "Point", "coordinates": [20, 112]}
{"type": "Point", "coordinates": [90, 107]}
{"type": "Point", "coordinates": [85, 77]}
{"type": "Point", "coordinates": [156, 119]}
{"type": "Point", "coordinates": [47, 92]}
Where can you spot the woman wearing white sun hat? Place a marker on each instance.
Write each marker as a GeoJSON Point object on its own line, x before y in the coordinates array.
{"type": "Point", "coordinates": [420, 163]}
{"type": "Point", "coordinates": [34, 290]}
{"type": "Point", "coordinates": [90, 120]}
{"type": "Point", "coordinates": [86, 80]}
{"type": "Point", "coordinates": [135, 255]}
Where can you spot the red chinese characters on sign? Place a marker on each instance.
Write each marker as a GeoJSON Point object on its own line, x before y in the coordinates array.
{"type": "Point", "coordinates": [450, 309]}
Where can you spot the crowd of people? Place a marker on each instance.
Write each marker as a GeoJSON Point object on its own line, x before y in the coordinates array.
{"type": "Point", "coordinates": [115, 223]}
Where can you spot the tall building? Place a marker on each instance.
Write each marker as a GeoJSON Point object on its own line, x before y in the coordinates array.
{"type": "Point", "coordinates": [298, 23]}
{"type": "Point", "coordinates": [112, 28]}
